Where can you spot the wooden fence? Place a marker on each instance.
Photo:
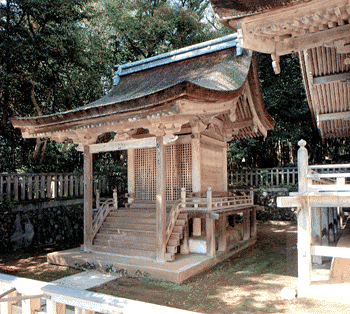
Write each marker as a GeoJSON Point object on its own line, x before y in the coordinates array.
{"type": "Point", "coordinates": [28, 187]}
{"type": "Point", "coordinates": [268, 177]}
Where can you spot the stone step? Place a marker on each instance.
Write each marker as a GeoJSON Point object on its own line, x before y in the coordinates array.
{"type": "Point", "coordinates": [124, 251]}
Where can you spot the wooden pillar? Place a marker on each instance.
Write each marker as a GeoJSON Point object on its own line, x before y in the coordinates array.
{"type": "Point", "coordinates": [222, 245]}
{"type": "Point", "coordinates": [246, 224]}
{"type": "Point", "coordinates": [160, 199]}
{"type": "Point", "coordinates": [224, 169]}
{"type": "Point", "coordinates": [88, 180]}
{"type": "Point", "coordinates": [131, 174]}
{"type": "Point", "coordinates": [210, 227]}
{"type": "Point", "coordinates": [253, 228]}
{"type": "Point", "coordinates": [196, 163]}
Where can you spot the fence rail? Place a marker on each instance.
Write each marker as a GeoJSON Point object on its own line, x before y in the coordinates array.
{"type": "Point", "coordinates": [21, 295]}
{"type": "Point", "coordinates": [27, 187]}
{"type": "Point", "coordinates": [273, 177]}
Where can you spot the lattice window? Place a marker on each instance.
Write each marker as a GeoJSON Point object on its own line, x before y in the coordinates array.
{"type": "Point", "coordinates": [178, 160]}
{"type": "Point", "coordinates": [145, 174]}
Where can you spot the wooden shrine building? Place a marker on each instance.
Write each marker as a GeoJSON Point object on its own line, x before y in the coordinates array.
{"type": "Point", "coordinates": [174, 114]}
{"type": "Point", "coordinates": [319, 32]}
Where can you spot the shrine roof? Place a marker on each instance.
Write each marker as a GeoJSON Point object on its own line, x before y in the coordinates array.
{"type": "Point", "coordinates": [240, 8]}
{"type": "Point", "coordinates": [201, 80]}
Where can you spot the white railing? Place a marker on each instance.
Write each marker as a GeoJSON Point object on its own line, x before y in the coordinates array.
{"type": "Point", "coordinates": [27, 187]}
{"type": "Point", "coordinates": [272, 177]}
{"type": "Point", "coordinates": [42, 297]}
{"type": "Point", "coordinates": [328, 177]}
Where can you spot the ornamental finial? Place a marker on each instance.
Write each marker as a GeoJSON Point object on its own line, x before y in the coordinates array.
{"type": "Point", "coordinates": [302, 143]}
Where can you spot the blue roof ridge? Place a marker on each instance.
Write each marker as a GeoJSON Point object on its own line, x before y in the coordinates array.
{"type": "Point", "coordinates": [210, 46]}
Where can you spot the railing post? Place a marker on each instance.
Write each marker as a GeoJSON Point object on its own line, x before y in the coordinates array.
{"type": "Point", "coordinates": [97, 193]}
{"type": "Point", "coordinates": [209, 199]}
{"type": "Point", "coordinates": [302, 166]}
{"type": "Point", "coordinates": [115, 198]}
{"type": "Point", "coordinates": [183, 197]}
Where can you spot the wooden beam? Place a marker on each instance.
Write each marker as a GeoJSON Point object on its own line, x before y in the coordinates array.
{"type": "Point", "coordinates": [87, 199]}
{"type": "Point", "coordinates": [160, 200]}
{"type": "Point", "coordinates": [334, 116]}
{"type": "Point", "coordinates": [332, 78]}
{"type": "Point", "coordinates": [332, 251]}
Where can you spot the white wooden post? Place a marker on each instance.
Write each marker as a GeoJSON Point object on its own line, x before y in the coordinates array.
{"type": "Point", "coordinates": [87, 199]}
{"type": "Point", "coordinates": [316, 232]}
{"type": "Point", "coordinates": [304, 221]}
{"type": "Point", "coordinates": [30, 306]}
{"type": "Point", "coordinates": [115, 198]}
{"type": "Point", "coordinates": [160, 199]}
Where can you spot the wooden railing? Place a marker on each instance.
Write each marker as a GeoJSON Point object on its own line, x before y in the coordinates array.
{"type": "Point", "coordinates": [206, 204]}
{"type": "Point", "coordinates": [102, 211]}
{"type": "Point", "coordinates": [21, 295]}
{"type": "Point", "coordinates": [27, 187]}
{"type": "Point", "coordinates": [271, 177]}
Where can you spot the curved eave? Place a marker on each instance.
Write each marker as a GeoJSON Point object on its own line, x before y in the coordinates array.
{"type": "Point", "coordinates": [236, 9]}
{"type": "Point", "coordinates": [152, 106]}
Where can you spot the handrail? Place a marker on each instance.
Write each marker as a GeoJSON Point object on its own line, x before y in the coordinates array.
{"type": "Point", "coordinates": [101, 215]}
{"type": "Point", "coordinates": [172, 217]}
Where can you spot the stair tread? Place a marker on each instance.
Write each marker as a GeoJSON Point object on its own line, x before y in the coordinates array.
{"type": "Point", "coordinates": [124, 251]}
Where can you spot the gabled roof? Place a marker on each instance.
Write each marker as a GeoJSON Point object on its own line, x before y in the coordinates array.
{"type": "Point", "coordinates": [197, 83]}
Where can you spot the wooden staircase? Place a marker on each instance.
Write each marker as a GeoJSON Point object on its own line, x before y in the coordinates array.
{"type": "Point", "coordinates": [132, 232]}
{"type": "Point", "coordinates": [176, 236]}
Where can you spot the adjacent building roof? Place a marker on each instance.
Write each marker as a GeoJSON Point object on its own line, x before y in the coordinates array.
{"type": "Point", "coordinates": [319, 31]}
{"type": "Point", "coordinates": [238, 8]}
{"type": "Point", "coordinates": [213, 83]}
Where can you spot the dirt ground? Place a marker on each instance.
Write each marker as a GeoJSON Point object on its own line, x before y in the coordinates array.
{"type": "Point", "coordinates": [250, 282]}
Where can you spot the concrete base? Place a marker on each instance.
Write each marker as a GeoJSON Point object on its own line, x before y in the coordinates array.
{"type": "Point", "coordinates": [198, 245]}
{"type": "Point", "coordinates": [338, 293]}
{"type": "Point", "coordinates": [184, 266]}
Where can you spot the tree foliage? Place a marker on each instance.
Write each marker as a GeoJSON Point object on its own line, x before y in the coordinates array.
{"type": "Point", "coordinates": [59, 55]}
